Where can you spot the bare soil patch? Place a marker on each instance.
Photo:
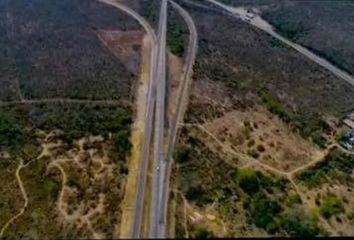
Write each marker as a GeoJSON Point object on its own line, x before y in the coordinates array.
{"type": "Point", "coordinates": [125, 45]}
{"type": "Point", "coordinates": [264, 137]}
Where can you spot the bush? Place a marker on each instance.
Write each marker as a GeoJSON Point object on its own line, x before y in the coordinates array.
{"type": "Point", "coordinates": [181, 154]}
{"type": "Point", "coordinates": [273, 105]}
{"type": "Point", "coordinates": [263, 212]}
{"type": "Point", "coordinates": [13, 133]}
{"type": "Point", "coordinates": [175, 40]}
{"type": "Point", "coordinates": [330, 206]}
{"type": "Point", "coordinates": [248, 181]}
{"type": "Point", "coordinates": [337, 166]}
{"type": "Point", "coordinates": [201, 233]}
{"type": "Point", "coordinates": [297, 224]}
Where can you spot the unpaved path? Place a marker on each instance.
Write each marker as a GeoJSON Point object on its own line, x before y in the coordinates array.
{"type": "Point", "coordinates": [24, 194]}
{"type": "Point", "coordinates": [66, 101]}
{"type": "Point", "coordinates": [288, 175]}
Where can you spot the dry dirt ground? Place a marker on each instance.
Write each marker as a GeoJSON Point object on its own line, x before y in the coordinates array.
{"type": "Point", "coordinates": [262, 136]}
{"type": "Point", "coordinates": [252, 131]}
{"type": "Point", "coordinates": [136, 139]}
{"type": "Point", "coordinates": [125, 45]}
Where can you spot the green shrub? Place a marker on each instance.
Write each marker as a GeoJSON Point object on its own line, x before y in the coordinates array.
{"type": "Point", "coordinates": [248, 181]}
{"type": "Point", "coordinates": [337, 166]}
{"type": "Point", "coordinates": [297, 224]}
{"type": "Point", "coordinates": [263, 212]}
{"type": "Point", "coordinates": [331, 205]}
{"type": "Point", "coordinates": [273, 105]}
{"type": "Point", "coordinates": [201, 233]}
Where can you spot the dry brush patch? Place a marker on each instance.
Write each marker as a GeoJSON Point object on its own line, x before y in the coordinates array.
{"type": "Point", "coordinates": [75, 189]}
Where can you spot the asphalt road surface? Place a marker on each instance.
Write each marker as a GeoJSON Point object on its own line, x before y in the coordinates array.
{"type": "Point", "coordinates": [159, 153]}
{"type": "Point", "coordinates": [149, 115]}
{"type": "Point", "coordinates": [179, 112]}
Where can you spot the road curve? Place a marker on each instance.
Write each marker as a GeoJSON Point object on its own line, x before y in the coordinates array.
{"type": "Point", "coordinates": [179, 112]}
{"type": "Point", "coordinates": [149, 115]}
{"type": "Point", "coordinates": [149, 30]}
{"type": "Point", "coordinates": [266, 27]}
{"type": "Point", "coordinates": [187, 76]}
{"type": "Point", "coordinates": [165, 166]}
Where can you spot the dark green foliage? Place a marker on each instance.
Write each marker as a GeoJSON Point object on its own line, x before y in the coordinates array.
{"type": "Point", "coordinates": [80, 120]}
{"type": "Point", "coordinates": [201, 233]}
{"type": "Point", "coordinates": [181, 154]}
{"type": "Point", "coordinates": [274, 106]}
{"type": "Point", "coordinates": [176, 34]}
{"type": "Point", "coordinates": [266, 200]}
{"type": "Point", "coordinates": [201, 177]}
{"type": "Point", "coordinates": [18, 123]}
{"type": "Point", "coordinates": [10, 133]}
{"type": "Point", "coordinates": [248, 181]}
{"type": "Point", "coordinates": [337, 166]}
{"type": "Point", "coordinates": [263, 212]}
{"type": "Point", "coordinates": [176, 42]}
{"type": "Point", "coordinates": [331, 205]}
{"type": "Point", "coordinates": [297, 223]}
{"type": "Point", "coordinates": [311, 126]}
{"type": "Point", "coordinates": [319, 140]}
{"type": "Point", "coordinates": [13, 131]}
{"type": "Point", "coordinates": [150, 10]}
{"type": "Point", "coordinates": [52, 187]}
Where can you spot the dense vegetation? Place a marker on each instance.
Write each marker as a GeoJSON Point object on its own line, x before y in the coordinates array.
{"type": "Point", "coordinates": [18, 124]}
{"type": "Point", "coordinates": [150, 10]}
{"type": "Point", "coordinates": [337, 166]}
{"type": "Point", "coordinates": [52, 50]}
{"type": "Point", "coordinates": [322, 26]}
{"type": "Point", "coordinates": [331, 205]}
{"type": "Point", "coordinates": [12, 132]}
{"type": "Point", "coordinates": [246, 61]}
{"type": "Point", "coordinates": [177, 34]}
{"type": "Point", "coordinates": [266, 201]}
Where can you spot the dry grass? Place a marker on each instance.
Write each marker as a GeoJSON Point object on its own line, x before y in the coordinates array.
{"type": "Point", "coordinates": [137, 137]}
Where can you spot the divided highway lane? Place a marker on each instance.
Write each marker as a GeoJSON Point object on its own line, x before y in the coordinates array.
{"type": "Point", "coordinates": [159, 153]}
{"type": "Point", "coordinates": [149, 115]}
{"type": "Point", "coordinates": [260, 23]}
{"type": "Point", "coordinates": [179, 112]}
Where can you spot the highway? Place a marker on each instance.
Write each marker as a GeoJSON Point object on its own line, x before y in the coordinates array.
{"type": "Point", "coordinates": [159, 153]}
{"type": "Point", "coordinates": [156, 108]}
{"type": "Point", "coordinates": [149, 116]}
{"type": "Point", "coordinates": [260, 23]}
{"type": "Point", "coordinates": [179, 111]}
{"type": "Point", "coordinates": [155, 118]}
